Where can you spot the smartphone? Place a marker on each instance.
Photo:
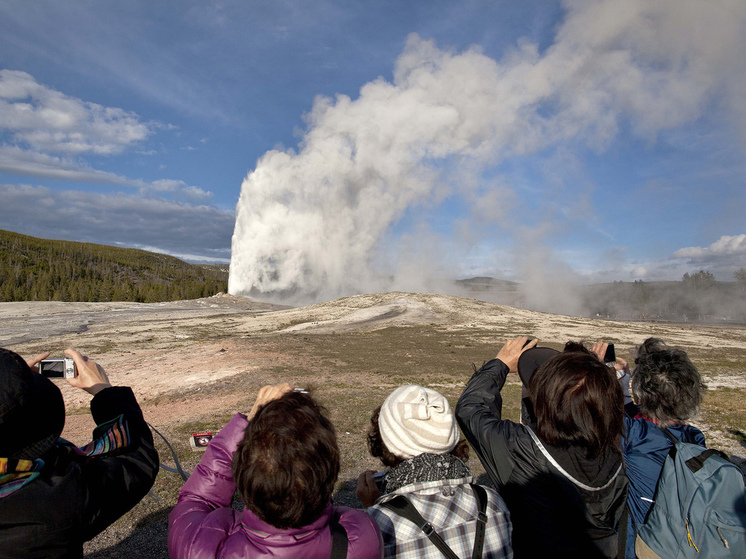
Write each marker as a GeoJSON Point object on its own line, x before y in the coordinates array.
{"type": "Point", "coordinates": [378, 478]}
{"type": "Point", "coordinates": [610, 355]}
{"type": "Point", "coordinates": [63, 367]}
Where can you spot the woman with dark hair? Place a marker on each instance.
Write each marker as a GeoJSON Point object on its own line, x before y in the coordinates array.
{"type": "Point", "coordinates": [284, 460]}
{"type": "Point", "coordinates": [562, 473]}
{"type": "Point", "coordinates": [667, 389]}
{"type": "Point", "coordinates": [414, 433]}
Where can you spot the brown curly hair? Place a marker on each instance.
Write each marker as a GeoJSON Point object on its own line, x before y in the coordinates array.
{"type": "Point", "coordinates": [287, 464]}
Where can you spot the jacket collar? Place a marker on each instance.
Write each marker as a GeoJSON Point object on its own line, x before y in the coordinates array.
{"type": "Point", "coordinates": [257, 529]}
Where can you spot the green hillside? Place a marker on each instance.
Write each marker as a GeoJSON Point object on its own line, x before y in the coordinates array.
{"type": "Point", "coordinates": [33, 269]}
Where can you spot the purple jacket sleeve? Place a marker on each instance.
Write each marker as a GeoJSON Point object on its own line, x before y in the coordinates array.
{"type": "Point", "coordinates": [208, 490]}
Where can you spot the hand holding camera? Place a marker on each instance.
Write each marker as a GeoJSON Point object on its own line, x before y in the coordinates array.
{"type": "Point", "coordinates": [75, 368]}
{"type": "Point", "coordinates": [512, 350]}
{"type": "Point", "coordinates": [266, 395]}
{"type": "Point", "coordinates": [91, 376]}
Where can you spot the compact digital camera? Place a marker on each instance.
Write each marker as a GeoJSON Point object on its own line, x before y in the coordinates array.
{"type": "Point", "coordinates": [199, 441]}
{"type": "Point", "coordinates": [62, 367]}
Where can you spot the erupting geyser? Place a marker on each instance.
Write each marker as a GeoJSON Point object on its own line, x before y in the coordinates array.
{"type": "Point", "coordinates": [310, 224]}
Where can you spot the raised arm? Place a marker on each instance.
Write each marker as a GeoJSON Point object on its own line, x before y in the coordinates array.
{"type": "Point", "coordinates": [122, 462]}
{"type": "Point", "coordinates": [479, 411]}
{"type": "Point", "coordinates": [210, 487]}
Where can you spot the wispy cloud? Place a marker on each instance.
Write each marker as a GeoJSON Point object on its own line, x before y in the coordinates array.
{"type": "Point", "coordinates": [25, 162]}
{"type": "Point", "coordinates": [200, 231]}
{"type": "Point", "coordinates": [179, 187]}
{"type": "Point", "coordinates": [16, 160]}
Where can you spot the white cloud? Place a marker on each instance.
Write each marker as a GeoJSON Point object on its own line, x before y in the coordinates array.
{"type": "Point", "coordinates": [721, 258]}
{"type": "Point", "coordinates": [724, 247]}
{"type": "Point", "coordinates": [50, 131]}
{"type": "Point", "coordinates": [199, 231]}
{"type": "Point", "coordinates": [51, 122]}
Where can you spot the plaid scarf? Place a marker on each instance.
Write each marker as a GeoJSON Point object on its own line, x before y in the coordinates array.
{"type": "Point", "coordinates": [425, 467]}
{"type": "Point", "coordinates": [15, 473]}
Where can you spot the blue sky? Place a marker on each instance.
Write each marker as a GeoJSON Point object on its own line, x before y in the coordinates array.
{"type": "Point", "coordinates": [592, 140]}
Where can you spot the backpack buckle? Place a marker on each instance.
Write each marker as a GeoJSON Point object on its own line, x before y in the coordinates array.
{"type": "Point", "coordinates": [427, 528]}
{"type": "Point", "coordinates": [481, 517]}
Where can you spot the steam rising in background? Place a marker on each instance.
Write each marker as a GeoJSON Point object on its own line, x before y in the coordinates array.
{"type": "Point", "coordinates": [401, 187]}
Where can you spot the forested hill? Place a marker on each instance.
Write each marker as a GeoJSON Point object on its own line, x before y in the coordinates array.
{"type": "Point", "coordinates": [33, 269]}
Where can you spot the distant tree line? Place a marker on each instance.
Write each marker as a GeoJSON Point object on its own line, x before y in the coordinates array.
{"type": "Point", "coordinates": [33, 269]}
{"type": "Point", "coordinates": [697, 297]}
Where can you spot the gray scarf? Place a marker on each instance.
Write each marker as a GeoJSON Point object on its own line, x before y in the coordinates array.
{"type": "Point", "coordinates": [423, 468]}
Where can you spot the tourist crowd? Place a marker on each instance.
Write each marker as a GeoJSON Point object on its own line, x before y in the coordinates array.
{"type": "Point", "coordinates": [576, 477]}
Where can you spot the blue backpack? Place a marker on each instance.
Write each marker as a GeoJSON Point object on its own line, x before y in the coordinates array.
{"type": "Point", "coordinates": [699, 508]}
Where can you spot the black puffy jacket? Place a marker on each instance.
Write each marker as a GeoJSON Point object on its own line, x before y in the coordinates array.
{"type": "Point", "coordinates": [76, 497]}
{"type": "Point", "coordinates": [552, 517]}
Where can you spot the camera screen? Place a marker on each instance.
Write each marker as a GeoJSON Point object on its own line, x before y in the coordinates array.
{"type": "Point", "coordinates": [52, 368]}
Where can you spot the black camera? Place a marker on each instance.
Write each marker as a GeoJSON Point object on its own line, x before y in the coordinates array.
{"type": "Point", "coordinates": [610, 356]}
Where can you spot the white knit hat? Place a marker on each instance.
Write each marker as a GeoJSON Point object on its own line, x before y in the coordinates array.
{"type": "Point", "coordinates": [415, 419]}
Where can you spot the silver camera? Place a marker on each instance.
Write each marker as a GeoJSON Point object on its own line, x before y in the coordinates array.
{"type": "Point", "coordinates": [63, 367]}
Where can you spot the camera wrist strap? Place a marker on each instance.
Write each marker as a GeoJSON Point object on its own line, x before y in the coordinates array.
{"type": "Point", "coordinates": [178, 470]}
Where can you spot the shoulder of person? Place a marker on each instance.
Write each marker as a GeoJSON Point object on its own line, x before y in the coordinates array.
{"type": "Point", "coordinates": [363, 533]}
{"type": "Point", "coordinates": [355, 521]}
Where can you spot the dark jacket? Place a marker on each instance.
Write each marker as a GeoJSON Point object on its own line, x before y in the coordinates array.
{"type": "Point", "coordinates": [645, 450]}
{"type": "Point", "coordinates": [75, 497]}
{"type": "Point", "coordinates": [552, 517]}
{"type": "Point", "coordinates": [203, 525]}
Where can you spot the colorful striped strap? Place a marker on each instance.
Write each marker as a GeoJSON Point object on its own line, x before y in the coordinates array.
{"type": "Point", "coordinates": [15, 473]}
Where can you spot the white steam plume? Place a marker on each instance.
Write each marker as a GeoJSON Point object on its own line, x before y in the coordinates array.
{"type": "Point", "coordinates": [310, 224]}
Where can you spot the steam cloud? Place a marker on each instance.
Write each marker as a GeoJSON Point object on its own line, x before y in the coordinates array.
{"type": "Point", "coordinates": [313, 224]}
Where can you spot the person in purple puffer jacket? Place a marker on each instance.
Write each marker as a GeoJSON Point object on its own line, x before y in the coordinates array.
{"type": "Point", "coordinates": [284, 460]}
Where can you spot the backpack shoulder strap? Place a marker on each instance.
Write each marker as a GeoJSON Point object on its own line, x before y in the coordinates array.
{"type": "Point", "coordinates": [339, 539]}
{"type": "Point", "coordinates": [481, 496]}
{"type": "Point", "coordinates": [669, 436]}
{"type": "Point", "coordinates": [696, 463]}
{"type": "Point", "coordinates": [404, 508]}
